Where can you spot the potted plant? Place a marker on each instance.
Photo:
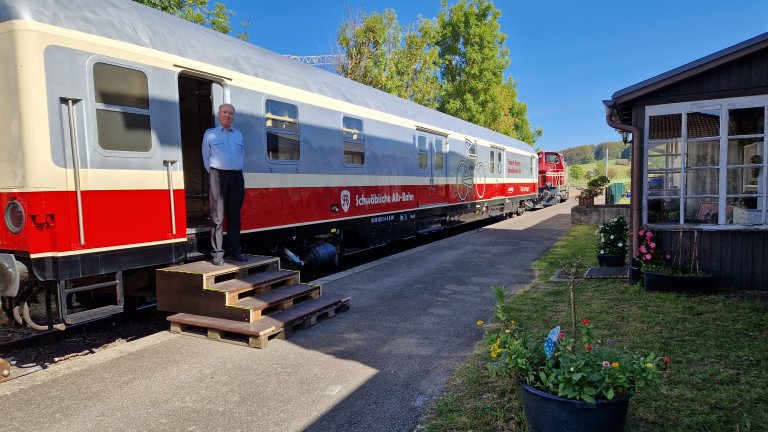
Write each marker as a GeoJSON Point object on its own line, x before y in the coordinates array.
{"type": "Point", "coordinates": [595, 188]}
{"type": "Point", "coordinates": [568, 382]}
{"type": "Point", "coordinates": [668, 273]}
{"type": "Point", "coordinates": [612, 246]}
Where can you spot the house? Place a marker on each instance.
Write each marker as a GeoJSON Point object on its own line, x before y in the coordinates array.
{"type": "Point", "coordinates": [699, 161]}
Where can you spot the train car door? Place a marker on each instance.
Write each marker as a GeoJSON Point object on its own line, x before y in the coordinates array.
{"type": "Point", "coordinates": [199, 99]}
{"type": "Point", "coordinates": [431, 159]}
{"type": "Point", "coordinates": [496, 172]}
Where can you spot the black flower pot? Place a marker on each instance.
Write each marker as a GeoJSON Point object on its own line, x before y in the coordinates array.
{"type": "Point", "coordinates": [611, 260]}
{"type": "Point", "coordinates": [546, 412]}
{"type": "Point", "coordinates": [675, 282]}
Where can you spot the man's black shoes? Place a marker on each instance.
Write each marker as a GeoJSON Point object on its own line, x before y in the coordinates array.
{"type": "Point", "coordinates": [239, 258]}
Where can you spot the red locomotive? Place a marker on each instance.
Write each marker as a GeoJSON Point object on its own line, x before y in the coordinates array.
{"type": "Point", "coordinates": [553, 179]}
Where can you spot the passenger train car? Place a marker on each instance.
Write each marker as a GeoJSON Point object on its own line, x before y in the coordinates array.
{"type": "Point", "coordinates": [101, 178]}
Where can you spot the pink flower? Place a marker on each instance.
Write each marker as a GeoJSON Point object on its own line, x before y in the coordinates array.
{"type": "Point", "coordinates": [641, 232]}
{"type": "Point", "coordinates": [648, 235]}
{"type": "Point", "coordinates": [647, 257]}
{"type": "Point", "coordinates": [642, 249]}
{"type": "Point", "coordinates": [606, 363]}
{"type": "Point", "coordinates": [653, 245]}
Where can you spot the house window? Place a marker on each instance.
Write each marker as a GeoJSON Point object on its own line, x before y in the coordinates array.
{"type": "Point", "coordinates": [283, 137]}
{"type": "Point", "coordinates": [122, 108]}
{"type": "Point", "coordinates": [354, 141]}
{"type": "Point", "coordinates": [706, 166]}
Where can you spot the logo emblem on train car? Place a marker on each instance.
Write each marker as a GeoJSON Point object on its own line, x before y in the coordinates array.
{"type": "Point", "coordinates": [345, 200]}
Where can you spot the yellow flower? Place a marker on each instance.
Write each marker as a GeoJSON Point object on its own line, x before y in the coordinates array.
{"type": "Point", "coordinates": [507, 331]}
{"type": "Point", "coordinates": [495, 350]}
{"type": "Point", "coordinates": [649, 365]}
{"type": "Point", "coordinates": [615, 364]}
{"type": "Point", "coordinates": [480, 322]}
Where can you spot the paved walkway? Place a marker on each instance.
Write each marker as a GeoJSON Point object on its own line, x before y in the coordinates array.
{"type": "Point", "coordinates": [373, 368]}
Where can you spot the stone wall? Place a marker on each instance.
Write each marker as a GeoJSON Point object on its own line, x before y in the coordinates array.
{"type": "Point", "coordinates": [595, 215]}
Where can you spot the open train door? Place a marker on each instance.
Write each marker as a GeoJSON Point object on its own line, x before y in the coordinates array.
{"type": "Point", "coordinates": [199, 99]}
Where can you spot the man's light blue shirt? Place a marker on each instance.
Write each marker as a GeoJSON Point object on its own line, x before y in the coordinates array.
{"type": "Point", "coordinates": [223, 149]}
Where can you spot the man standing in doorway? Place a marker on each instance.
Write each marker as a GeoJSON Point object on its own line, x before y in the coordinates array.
{"type": "Point", "coordinates": [223, 159]}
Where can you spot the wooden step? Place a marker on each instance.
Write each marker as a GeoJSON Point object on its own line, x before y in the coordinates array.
{"type": "Point", "coordinates": [209, 269]}
{"type": "Point", "coordinates": [306, 314]}
{"type": "Point", "coordinates": [225, 330]}
{"type": "Point", "coordinates": [258, 283]}
{"type": "Point", "coordinates": [280, 299]}
{"type": "Point", "coordinates": [279, 324]}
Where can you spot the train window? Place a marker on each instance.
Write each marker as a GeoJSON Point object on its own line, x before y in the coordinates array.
{"type": "Point", "coordinates": [439, 154]}
{"type": "Point", "coordinates": [493, 162]}
{"type": "Point", "coordinates": [354, 141]}
{"type": "Point", "coordinates": [498, 162]}
{"type": "Point", "coordinates": [283, 137]}
{"type": "Point", "coordinates": [122, 108]}
{"type": "Point", "coordinates": [421, 144]}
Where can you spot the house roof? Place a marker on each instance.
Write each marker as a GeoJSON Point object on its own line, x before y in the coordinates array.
{"type": "Point", "coordinates": [695, 67]}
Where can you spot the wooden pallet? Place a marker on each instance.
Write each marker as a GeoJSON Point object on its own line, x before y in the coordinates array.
{"type": "Point", "coordinates": [257, 334]}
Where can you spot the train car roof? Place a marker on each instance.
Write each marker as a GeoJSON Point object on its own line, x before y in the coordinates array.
{"type": "Point", "coordinates": [131, 22]}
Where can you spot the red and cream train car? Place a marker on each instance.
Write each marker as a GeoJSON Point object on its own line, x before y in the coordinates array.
{"type": "Point", "coordinates": [101, 178]}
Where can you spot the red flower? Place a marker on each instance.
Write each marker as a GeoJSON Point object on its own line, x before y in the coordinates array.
{"type": "Point", "coordinates": [561, 335]}
{"type": "Point", "coordinates": [666, 360]}
{"type": "Point", "coordinates": [588, 347]}
{"type": "Point", "coordinates": [585, 321]}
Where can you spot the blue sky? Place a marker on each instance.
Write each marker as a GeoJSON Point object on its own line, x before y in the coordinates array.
{"type": "Point", "coordinates": [567, 56]}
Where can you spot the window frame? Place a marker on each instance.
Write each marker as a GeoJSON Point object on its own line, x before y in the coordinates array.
{"type": "Point", "coordinates": [345, 140]}
{"type": "Point", "coordinates": [424, 152]}
{"type": "Point", "coordinates": [722, 198]}
{"type": "Point", "coordinates": [277, 131]}
{"type": "Point", "coordinates": [99, 106]}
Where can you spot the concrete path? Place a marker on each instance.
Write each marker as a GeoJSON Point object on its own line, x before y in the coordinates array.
{"type": "Point", "coordinates": [374, 368]}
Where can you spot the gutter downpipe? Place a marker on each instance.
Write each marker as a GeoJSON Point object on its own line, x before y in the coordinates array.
{"type": "Point", "coordinates": [635, 206]}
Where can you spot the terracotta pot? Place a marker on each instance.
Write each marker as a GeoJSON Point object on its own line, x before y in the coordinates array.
{"type": "Point", "coordinates": [586, 201]}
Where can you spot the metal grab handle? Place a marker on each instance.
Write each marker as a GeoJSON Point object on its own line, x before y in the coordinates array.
{"type": "Point", "coordinates": [76, 166]}
{"type": "Point", "coordinates": [168, 164]}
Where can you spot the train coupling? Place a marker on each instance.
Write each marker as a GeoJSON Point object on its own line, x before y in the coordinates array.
{"type": "Point", "coordinates": [12, 274]}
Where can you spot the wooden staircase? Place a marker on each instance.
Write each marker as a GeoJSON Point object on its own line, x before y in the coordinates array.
{"type": "Point", "coordinates": [246, 303]}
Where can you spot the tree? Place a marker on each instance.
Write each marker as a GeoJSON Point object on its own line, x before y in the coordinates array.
{"type": "Point", "coordinates": [514, 115]}
{"type": "Point", "coordinates": [379, 52]}
{"type": "Point", "coordinates": [472, 61]}
{"type": "Point", "coordinates": [454, 63]}
{"type": "Point", "coordinates": [580, 155]}
{"type": "Point", "coordinates": [576, 172]}
{"type": "Point", "coordinates": [614, 149]}
{"type": "Point", "coordinates": [215, 16]}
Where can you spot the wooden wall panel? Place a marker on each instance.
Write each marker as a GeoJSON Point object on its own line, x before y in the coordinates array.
{"type": "Point", "coordinates": [737, 258]}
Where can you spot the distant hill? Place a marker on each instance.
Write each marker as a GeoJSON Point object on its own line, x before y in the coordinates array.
{"type": "Point", "coordinates": [589, 153]}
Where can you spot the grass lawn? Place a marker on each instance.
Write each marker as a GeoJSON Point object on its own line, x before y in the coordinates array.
{"type": "Point", "coordinates": [719, 375]}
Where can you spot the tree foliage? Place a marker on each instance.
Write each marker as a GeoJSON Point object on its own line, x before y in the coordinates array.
{"type": "Point", "coordinates": [381, 53]}
{"type": "Point", "coordinates": [215, 16]}
{"type": "Point", "coordinates": [454, 63]}
{"type": "Point", "coordinates": [615, 148]}
{"type": "Point", "coordinates": [576, 172]}
{"type": "Point", "coordinates": [580, 155]}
